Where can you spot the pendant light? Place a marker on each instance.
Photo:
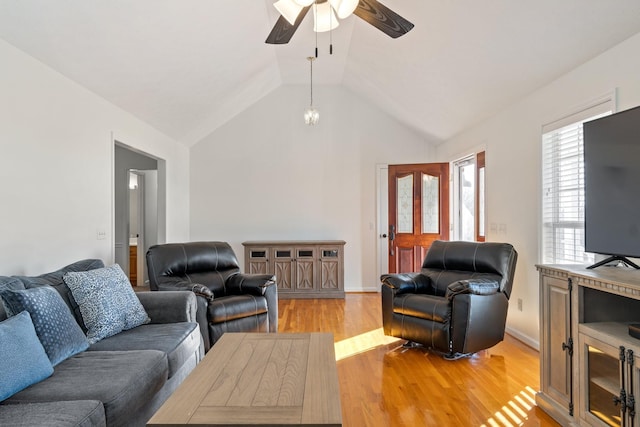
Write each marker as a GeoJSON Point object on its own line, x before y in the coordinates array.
{"type": "Point", "coordinates": [311, 115]}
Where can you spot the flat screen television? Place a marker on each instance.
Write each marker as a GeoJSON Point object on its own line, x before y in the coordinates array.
{"type": "Point", "coordinates": [612, 186]}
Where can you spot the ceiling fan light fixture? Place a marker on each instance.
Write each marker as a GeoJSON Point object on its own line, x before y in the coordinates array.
{"type": "Point", "coordinates": [290, 9]}
{"type": "Point", "coordinates": [324, 18]}
{"type": "Point", "coordinates": [344, 8]}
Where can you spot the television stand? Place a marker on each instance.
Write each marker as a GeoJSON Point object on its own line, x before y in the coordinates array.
{"type": "Point", "coordinates": [620, 258]}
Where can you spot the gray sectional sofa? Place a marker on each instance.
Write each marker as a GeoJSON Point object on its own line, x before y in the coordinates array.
{"type": "Point", "coordinates": [120, 380]}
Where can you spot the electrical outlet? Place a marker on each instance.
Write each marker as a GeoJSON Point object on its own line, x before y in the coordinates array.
{"type": "Point", "coordinates": [519, 304]}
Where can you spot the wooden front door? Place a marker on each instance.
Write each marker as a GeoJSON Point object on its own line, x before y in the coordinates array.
{"type": "Point", "coordinates": [418, 212]}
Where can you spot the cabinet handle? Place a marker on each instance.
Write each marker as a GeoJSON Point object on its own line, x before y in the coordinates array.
{"type": "Point", "coordinates": [616, 400]}
{"type": "Point", "coordinates": [568, 346]}
{"type": "Point", "coordinates": [621, 400]}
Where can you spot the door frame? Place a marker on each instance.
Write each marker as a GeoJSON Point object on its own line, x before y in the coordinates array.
{"type": "Point", "coordinates": [382, 219]}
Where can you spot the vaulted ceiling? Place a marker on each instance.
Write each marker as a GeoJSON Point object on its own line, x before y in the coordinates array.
{"type": "Point", "coordinates": [188, 66]}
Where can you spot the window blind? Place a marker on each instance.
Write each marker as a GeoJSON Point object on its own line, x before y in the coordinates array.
{"type": "Point", "coordinates": [563, 185]}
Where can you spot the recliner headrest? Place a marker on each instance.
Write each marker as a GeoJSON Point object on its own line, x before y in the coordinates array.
{"type": "Point", "coordinates": [180, 259]}
{"type": "Point", "coordinates": [486, 257]}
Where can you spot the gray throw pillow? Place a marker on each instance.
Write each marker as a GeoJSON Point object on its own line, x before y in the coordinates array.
{"type": "Point", "coordinates": [106, 300]}
{"type": "Point", "coordinates": [57, 329]}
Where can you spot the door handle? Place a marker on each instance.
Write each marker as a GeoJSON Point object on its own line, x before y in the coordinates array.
{"type": "Point", "coordinates": [383, 236]}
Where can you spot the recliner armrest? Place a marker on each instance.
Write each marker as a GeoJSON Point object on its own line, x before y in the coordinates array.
{"type": "Point", "coordinates": [169, 307]}
{"type": "Point", "coordinates": [472, 286]}
{"type": "Point", "coordinates": [416, 283]}
{"type": "Point", "coordinates": [253, 284]}
{"type": "Point", "coordinates": [183, 285]}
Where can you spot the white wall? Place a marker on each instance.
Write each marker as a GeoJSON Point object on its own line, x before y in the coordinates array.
{"type": "Point", "coordinates": [266, 175]}
{"type": "Point", "coordinates": [56, 176]}
{"type": "Point", "coordinates": [513, 146]}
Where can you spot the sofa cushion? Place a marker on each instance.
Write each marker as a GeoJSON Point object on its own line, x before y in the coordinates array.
{"type": "Point", "coordinates": [54, 279]}
{"type": "Point", "coordinates": [24, 361]}
{"type": "Point", "coordinates": [179, 341]}
{"type": "Point", "coordinates": [107, 301]}
{"type": "Point", "coordinates": [79, 413]}
{"type": "Point", "coordinates": [123, 381]}
{"type": "Point", "coordinates": [57, 330]}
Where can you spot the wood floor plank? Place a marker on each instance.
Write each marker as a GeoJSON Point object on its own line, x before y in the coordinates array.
{"type": "Point", "coordinates": [384, 384]}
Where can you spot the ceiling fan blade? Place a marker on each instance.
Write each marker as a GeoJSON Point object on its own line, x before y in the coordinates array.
{"type": "Point", "coordinates": [383, 18]}
{"type": "Point", "coordinates": [283, 30]}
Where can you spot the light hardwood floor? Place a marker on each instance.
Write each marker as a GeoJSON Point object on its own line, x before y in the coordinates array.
{"type": "Point", "coordinates": [383, 384]}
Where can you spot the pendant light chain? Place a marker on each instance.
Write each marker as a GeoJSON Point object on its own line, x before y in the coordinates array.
{"type": "Point", "coordinates": [311, 80]}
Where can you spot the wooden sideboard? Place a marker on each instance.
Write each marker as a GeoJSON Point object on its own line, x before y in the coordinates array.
{"type": "Point", "coordinates": [303, 268]}
{"type": "Point", "coordinates": [589, 364]}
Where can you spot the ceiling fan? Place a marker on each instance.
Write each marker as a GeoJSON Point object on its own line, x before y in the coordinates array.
{"type": "Point", "coordinates": [292, 12]}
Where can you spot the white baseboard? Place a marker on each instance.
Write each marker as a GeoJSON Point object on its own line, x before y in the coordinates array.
{"type": "Point", "coordinates": [524, 338]}
{"type": "Point", "coordinates": [362, 288]}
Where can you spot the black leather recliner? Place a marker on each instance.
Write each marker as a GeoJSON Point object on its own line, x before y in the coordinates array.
{"type": "Point", "coordinates": [228, 301]}
{"type": "Point", "coordinates": [457, 304]}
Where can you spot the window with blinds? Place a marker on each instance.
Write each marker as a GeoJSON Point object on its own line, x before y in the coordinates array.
{"type": "Point", "coordinates": [563, 186]}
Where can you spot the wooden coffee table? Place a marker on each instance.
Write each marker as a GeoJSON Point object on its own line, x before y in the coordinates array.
{"type": "Point", "coordinates": [258, 379]}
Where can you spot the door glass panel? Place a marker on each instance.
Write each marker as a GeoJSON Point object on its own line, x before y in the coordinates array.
{"type": "Point", "coordinates": [405, 204]}
{"type": "Point", "coordinates": [604, 385]}
{"type": "Point", "coordinates": [430, 204]}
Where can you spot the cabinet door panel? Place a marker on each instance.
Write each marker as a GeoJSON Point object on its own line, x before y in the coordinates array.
{"type": "Point", "coordinates": [258, 260]}
{"type": "Point", "coordinates": [556, 380]}
{"type": "Point", "coordinates": [330, 268]}
{"type": "Point", "coordinates": [602, 382]}
{"type": "Point", "coordinates": [305, 275]}
{"type": "Point", "coordinates": [283, 268]}
{"type": "Point", "coordinates": [329, 273]}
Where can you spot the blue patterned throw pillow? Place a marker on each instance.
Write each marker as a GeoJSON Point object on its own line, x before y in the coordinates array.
{"type": "Point", "coordinates": [107, 301]}
{"type": "Point", "coordinates": [24, 361]}
{"type": "Point", "coordinates": [57, 329]}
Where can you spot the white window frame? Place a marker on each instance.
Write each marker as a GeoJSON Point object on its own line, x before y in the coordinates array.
{"type": "Point", "coordinates": [551, 207]}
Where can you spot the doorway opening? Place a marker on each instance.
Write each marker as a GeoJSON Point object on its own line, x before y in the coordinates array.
{"type": "Point", "coordinates": [468, 198]}
{"type": "Point", "coordinates": [140, 206]}
{"type": "Point", "coordinates": [465, 196]}
{"type": "Point", "coordinates": [464, 203]}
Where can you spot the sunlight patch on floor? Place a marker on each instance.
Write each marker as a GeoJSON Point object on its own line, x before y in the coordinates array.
{"type": "Point", "coordinates": [361, 343]}
{"type": "Point", "coordinates": [515, 412]}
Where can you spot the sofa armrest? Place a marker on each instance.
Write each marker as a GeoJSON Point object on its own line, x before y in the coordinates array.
{"type": "Point", "coordinates": [169, 306]}
{"type": "Point", "coordinates": [415, 283]}
{"type": "Point", "coordinates": [472, 286]}
{"type": "Point", "coordinates": [253, 284]}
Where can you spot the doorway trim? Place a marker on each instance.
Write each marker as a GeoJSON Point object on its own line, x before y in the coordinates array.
{"type": "Point", "coordinates": [382, 219]}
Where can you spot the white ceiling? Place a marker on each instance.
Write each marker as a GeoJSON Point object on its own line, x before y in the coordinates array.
{"type": "Point", "coordinates": [188, 66]}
